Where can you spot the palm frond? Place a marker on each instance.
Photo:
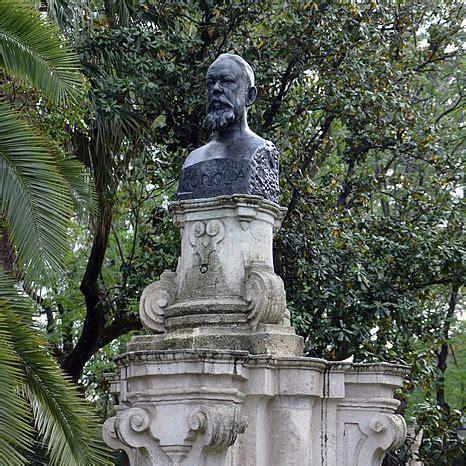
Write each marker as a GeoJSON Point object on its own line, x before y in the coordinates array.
{"type": "Point", "coordinates": [62, 418]}
{"type": "Point", "coordinates": [15, 430]}
{"type": "Point", "coordinates": [31, 49]}
{"type": "Point", "coordinates": [122, 11]}
{"type": "Point", "coordinates": [80, 185]}
{"type": "Point", "coordinates": [34, 197]}
{"type": "Point", "coordinates": [74, 17]}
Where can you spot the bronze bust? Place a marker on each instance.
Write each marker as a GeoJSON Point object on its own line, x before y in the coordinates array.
{"type": "Point", "coordinates": [236, 160]}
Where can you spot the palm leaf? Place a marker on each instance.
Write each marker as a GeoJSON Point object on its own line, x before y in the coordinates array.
{"type": "Point", "coordinates": [79, 183]}
{"type": "Point", "coordinates": [122, 11]}
{"type": "Point", "coordinates": [74, 17]}
{"type": "Point", "coordinates": [31, 48]}
{"type": "Point", "coordinates": [15, 429]}
{"type": "Point", "coordinates": [62, 418]}
{"type": "Point", "coordinates": [34, 197]}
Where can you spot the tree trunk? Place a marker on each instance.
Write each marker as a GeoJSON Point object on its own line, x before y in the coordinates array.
{"type": "Point", "coordinates": [442, 355]}
{"type": "Point", "coordinates": [95, 320]}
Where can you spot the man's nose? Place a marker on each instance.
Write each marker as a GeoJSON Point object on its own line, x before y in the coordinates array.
{"type": "Point", "coordinates": [217, 87]}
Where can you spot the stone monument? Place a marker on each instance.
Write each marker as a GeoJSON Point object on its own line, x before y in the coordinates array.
{"type": "Point", "coordinates": [222, 380]}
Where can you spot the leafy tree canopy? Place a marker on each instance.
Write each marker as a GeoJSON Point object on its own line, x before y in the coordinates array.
{"type": "Point", "coordinates": [365, 101]}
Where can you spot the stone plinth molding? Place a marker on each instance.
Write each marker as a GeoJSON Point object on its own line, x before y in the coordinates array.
{"type": "Point", "coordinates": [232, 408]}
{"type": "Point", "coordinates": [224, 290]}
{"type": "Point", "coordinates": [221, 380]}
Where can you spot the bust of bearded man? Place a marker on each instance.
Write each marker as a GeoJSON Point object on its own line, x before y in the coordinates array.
{"type": "Point", "coordinates": [236, 160]}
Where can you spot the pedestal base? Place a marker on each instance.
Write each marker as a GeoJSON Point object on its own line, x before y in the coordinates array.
{"type": "Point", "coordinates": [204, 407]}
{"type": "Point", "coordinates": [276, 340]}
{"type": "Point", "coordinates": [224, 382]}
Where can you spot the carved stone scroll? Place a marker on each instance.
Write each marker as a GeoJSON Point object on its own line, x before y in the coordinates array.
{"type": "Point", "coordinates": [130, 430]}
{"type": "Point", "coordinates": [265, 294]}
{"type": "Point", "coordinates": [144, 435]}
{"type": "Point", "coordinates": [222, 424]}
{"type": "Point", "coordinates": [385, 432]}
{"type": "Point", "coordinates": [155, 299]}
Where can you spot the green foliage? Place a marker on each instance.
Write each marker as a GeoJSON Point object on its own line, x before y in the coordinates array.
{"type": "Point", "coordinates": [364, 101]}
{"type": "Point", "coordinates": [30, 48]}
{"type": "Point", "coordinates": [35, 210]}
{"type": "Point", "coordinates": [455, 384]}
{"type": "Point", "coordinates": [441, 445]}
{"type": "Point", "coordinates": [37, 185]}
{"type": "Point", "coordinates": [34, 388]}
{"type": "Point", "coordinates": [14, 413]}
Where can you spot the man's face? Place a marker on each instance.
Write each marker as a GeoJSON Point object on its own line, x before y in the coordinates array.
{"type": "Point", "coordinates": [227, 86]}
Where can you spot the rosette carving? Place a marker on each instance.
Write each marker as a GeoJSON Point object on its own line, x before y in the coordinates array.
{"type": "Point", "coordinates": [221, 425]}
{"type": "Point", "coordinates": [155, 299]}
{"type": "Point", "coordinates": [265, 294]}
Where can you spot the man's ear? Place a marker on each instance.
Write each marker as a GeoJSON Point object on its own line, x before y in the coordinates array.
{"type": "Point", "coordinates": [251, 96]}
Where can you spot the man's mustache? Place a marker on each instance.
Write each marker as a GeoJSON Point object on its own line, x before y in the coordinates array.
{"type": "Point", "coordinates": [223, 101]}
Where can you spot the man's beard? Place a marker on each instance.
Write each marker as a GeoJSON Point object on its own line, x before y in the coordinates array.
{"type": "Point", "coordinates": [218, 119]}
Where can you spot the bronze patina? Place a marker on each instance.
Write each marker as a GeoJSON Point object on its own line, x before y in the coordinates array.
{"type": "Point", "coordinates": [236, 160]}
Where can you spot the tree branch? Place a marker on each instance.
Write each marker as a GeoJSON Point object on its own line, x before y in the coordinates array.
{"type": "Point", "coordinates": [309, 151]}
{"type": "Point", "coordinates": [285, 82]}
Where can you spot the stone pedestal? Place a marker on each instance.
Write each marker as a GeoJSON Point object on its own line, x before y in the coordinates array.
{"type": "Point", "coordinates": [223, 380]}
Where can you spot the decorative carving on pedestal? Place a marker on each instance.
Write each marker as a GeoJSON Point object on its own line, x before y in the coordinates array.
{"type": "Point", "coordinates": [130, 431]}
{"type": "Point", "coordinates": [220, 424]}
{"type": "Point", "coordinates": [204, 236]}
{"type": "Point", "coordinates": [155, 299]}
{"type": "Point", "coordinates": [210, 432]}
{"type": "Point", "coordinates": [384, 432]}
{"type": "Point", "coordinates": [181, 394]}
{"type": "Point", "coordinates": [265, 294]}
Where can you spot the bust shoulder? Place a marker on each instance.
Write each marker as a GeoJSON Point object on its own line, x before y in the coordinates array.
{"type": "Point", "coordinates": [264, 171]}
{"type": "Point", "coordinates": [198, 155]}
{"type": "Point", "coordinates": [242, 147]}
{"type": "Point", "coordinates": [252, 170]}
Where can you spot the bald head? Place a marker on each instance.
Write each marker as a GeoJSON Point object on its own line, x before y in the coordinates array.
{"type": "Point", "coordinates": [241, 62]}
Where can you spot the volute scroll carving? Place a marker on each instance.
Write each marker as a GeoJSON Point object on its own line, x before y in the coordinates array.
{"type": "Point", "coordinates": [220, 424]}
{"type": "Point", "coordinates": [140, 432]}
{"type": "Point", "coordinates": [128, 427]}
{"type": "Point", "coordinates": [393, 424]}
{"type": "Point", "coordinates": [265, 294]}
{"type": "Point", "coordinates": [384, 432]}
{"type": "Point", "coordinates": [155, 299]}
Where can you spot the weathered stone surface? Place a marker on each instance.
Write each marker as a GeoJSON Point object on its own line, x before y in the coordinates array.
{"type": "Point", "coordinates": [224, 286]}
{"type": "Point", "coordinates": [276, 340]}
{"type": "Point", "coordinates": [224, 382]}
{"type": "Point", "coordinates": [205, 407]}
